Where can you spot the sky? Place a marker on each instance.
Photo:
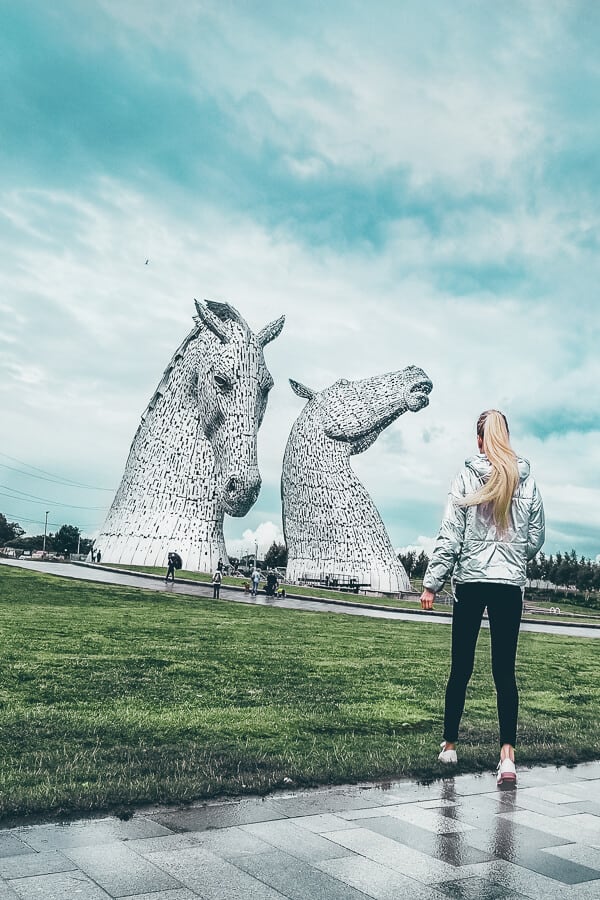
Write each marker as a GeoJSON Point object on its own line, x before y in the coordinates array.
{"type": "Point", "coordinates": [410, 183]}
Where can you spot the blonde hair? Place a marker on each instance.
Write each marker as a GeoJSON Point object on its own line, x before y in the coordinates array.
{"type": "Point", "coordinates": [500, 487]}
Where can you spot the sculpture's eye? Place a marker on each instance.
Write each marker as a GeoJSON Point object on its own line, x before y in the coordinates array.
{"type": "Point", "coordinates": [223, 383]}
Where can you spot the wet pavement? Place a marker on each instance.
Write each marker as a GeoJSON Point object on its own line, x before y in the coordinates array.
{"type": "Point", "coordinates": [455, 838]}
{"type": "Point", "coordinates": [105, 575]}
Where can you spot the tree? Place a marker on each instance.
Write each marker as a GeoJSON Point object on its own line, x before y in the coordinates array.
{"type": "Point", "coordinates": [534, 570]}
{"type": "Point", "coordinates": [32, 542]}
{"type": "Point", "coordinates": [408, 560]}
{"type": "Point", "coordinates": [276, 556]}
{"type": "Point", "coordinates": [9, 531]}
{"type": "Point", "coordinates": [66, 538]}
{"type": "Point", "coordinates": [420, 566]}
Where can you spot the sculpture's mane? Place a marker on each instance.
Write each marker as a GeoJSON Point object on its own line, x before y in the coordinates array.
{"type": "Point", "coordinates": [223, 312]}
{"type": "Point", "coordinates": [173, 362]}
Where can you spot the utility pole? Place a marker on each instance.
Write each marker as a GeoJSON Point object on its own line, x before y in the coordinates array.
{"type": "Point", "coordinates": [78, 542]}
{"type": "Point", "coordinates": [45, 530]}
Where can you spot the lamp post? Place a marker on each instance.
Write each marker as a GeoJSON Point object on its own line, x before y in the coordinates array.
{"type": "Point", "coordinates": [255, 553]}
{"type": "Point", "coordinates": [45, 530]}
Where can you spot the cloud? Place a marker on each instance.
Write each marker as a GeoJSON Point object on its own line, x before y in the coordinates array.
{"type": "Point", "coordinates": [409, 185]}
{"type": "Point", "coordinates": [422, 543]}
{"type": "Point", "coordinates": [261, 537]}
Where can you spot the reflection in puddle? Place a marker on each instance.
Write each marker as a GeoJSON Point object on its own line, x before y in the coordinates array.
{"type": "Point", "coordinates": [502, 843]}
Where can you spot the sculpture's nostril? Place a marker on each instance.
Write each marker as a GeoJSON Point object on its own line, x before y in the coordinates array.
{"type": "Point", "coordinates": [232, 485]}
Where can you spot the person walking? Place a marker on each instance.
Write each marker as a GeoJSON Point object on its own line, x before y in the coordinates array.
{"type": "Point", "coordinates": [493, 524]}
{"type": "Point", "coordinates": [216, 582]}
{"type": "Point", "coordinates": [255, 578]}
{"type": "Point", "coordinates": [170, 567]}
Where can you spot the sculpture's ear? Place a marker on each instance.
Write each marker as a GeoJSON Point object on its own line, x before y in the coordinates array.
{"type": "Point", "coordinates": [209, 320]}
{"type": "Point", "coordinates": [270, 331]}
{"type": "Point", "coordinates": [301, 390]}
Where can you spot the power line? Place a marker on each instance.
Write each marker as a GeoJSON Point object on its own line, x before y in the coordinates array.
{"type": "Point", "coordinates": [52, 480]}
{"type": "Point", "coordinates": [37, 522]}
{"type": "Point", "coordinates": [58, 478]}
{"type": "Point", "coordinates": [33, 499]}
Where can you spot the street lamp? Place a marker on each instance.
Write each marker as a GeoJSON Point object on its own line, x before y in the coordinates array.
{"type": "Point", "coordinates": [45, 530]}
{"type": "Point", "coordinates": [255, 553]}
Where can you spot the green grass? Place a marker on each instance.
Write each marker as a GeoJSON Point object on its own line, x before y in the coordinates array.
{"type": "Point", "coordinates": [115, 697]}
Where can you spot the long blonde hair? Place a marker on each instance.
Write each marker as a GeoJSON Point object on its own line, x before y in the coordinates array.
{"type": "Point", "coordinates": [500, 487]}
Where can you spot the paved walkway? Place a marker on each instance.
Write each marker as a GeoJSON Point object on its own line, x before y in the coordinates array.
{"type": "Point", "coordinates": [202, 589]}
{"type": "Point", "coordinates": [457, 838]}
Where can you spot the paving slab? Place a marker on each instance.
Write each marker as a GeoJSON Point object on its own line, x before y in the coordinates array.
{"type": "Point", "coordinates": [299, 842]}
{"type": "Point", "coordinates": [221, 815]}
{"type": "Point", "coordinates": [477, 889]}
{"type": "Point", "coordinates": [378, 880]}
{"type": "Point", "coordinates": [449, 847]}
{"type": "Point", "coordinates": [12, 845]}
{"type": "Point", "coordinates": [459, 837]}
{"type": "Point", "coordinates": [397, 856]}
{"type": "Point", "coordinates": [96, 831]}
{"type": "Point", "coordinates": [6, 892]}
{"type": "Point", "coordinates": [29, 864]}
{"type": "Point", "coordinates": [296, 879]}
{"type": "Point", "coordinates": [180, 894]}
{"type": "Point", "coordinates": [64, 886]}
{"type": "Point", "coordinates": [215, 878]}
{"type": "Point", "coordinates": [120, 870]}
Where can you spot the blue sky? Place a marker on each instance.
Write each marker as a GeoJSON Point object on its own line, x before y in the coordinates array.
{"type": "Point", "coordinates": [410, 183]}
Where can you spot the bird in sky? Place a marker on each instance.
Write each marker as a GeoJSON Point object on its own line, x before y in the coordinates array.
{"type": "Point", "coordinates": [147, 261]}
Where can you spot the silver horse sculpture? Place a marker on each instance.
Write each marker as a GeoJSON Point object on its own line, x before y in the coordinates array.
{"type": "Point", "coordinates": [332, 528]}
{"type": "Point", "coordinates": [193, 457]}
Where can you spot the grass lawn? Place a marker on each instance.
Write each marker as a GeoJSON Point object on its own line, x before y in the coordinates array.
{"type": "Point", "coordinates": [115, 697]}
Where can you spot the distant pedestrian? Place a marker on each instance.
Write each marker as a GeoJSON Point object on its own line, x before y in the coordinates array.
{"type": "Point", "coordinates": [216, 582]}
{"type": "Point", "coordinates": [494, 523]}
{"type": "Point", "coordinates": [271, 585]}
{"type": "Point", "coordinates": [98, 556]}
{"type": "Point", "coordinates": [93, 556]}
{"type": "Point", "coordinates": [255, 578]}
{"type": "Point", "coordinates": [171, 567]}
{"type": "Point", "coordinates": [220, 564]}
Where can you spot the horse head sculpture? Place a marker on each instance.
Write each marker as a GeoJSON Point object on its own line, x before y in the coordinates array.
{"type": "Point", "coordinates": [356, 412]}
{"type": "Point", "coordinates": [233, 385]}
{"type": "Point", "coordinates": [194, 455]}
{"type": "Point", "coordinates": [331, 524]}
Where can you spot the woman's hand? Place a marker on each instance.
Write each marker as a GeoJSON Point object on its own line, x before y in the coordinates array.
{"type": "Point", "coordinates": [427, 599]}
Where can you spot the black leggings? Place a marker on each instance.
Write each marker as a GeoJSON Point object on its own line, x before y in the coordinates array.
{"type": "Point", "coordinates": [504, 605]}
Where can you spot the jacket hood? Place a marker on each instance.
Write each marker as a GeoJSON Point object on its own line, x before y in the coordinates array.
{"type": "Point", "coordinates": [482, 467]}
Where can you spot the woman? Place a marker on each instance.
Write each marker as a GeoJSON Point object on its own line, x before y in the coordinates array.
{"type": "Point", "coordinates": [494, 523]}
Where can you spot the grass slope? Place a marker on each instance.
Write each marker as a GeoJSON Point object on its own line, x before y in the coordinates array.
{"type": "Point", "coordinates": [114, 697]}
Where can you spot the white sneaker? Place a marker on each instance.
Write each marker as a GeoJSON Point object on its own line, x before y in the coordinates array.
{"type": "Point", "coordinates": [447, 756]}
{"type": "Point", "coordinates": [507, 774]}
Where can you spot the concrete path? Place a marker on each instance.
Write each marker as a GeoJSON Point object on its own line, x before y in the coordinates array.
{"type": "Point", "coordinates": [457, 838]}
{"type": "Point", "coordinates": [155, 583]}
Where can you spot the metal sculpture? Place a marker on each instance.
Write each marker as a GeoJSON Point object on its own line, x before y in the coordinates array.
{"type": "Point", "coordinates": [193, 457]}
{"type": "Point", "coordinates": [332, 529]}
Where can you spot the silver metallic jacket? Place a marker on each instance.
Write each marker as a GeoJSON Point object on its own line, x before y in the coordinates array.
{"type": "Point", "coordinates": [469, 544]}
